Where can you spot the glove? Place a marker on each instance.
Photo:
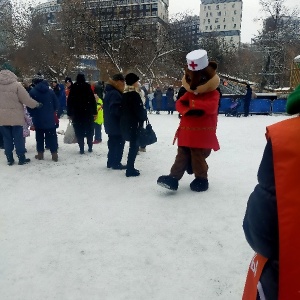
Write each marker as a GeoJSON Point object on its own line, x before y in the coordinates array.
{"type": "Point", "coordinates": [196, 113]}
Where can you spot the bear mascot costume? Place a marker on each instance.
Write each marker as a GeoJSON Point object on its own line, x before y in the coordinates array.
{"type": "Point", "coordinates": [196, 134]}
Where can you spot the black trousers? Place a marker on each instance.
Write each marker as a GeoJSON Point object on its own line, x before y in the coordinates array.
{"type": "Point", "coordinates": [115, 145]}
{"type": "Point", "coordinates": [48, 137]}
{"type": "Point", "coordinates": [82, 130]}
{"type": "Point", "coordinates": [246, 107]}
{"type": "Point", "coordinates": [133, 150]}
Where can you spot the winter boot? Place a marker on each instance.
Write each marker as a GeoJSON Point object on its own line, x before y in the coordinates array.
{"type": "Point", "coordinates": [199, 185]}
{"type": "Point", "coordinates": [54, 156]}
{"type": "Point", "coordinates": [10, 159]}
{"type": "Point", "coordinates": [39, 156]}
{"type": "Point", "coordinates": [119, 167]}
{"type": "Point", "coordinates": [132, 172]}
{"type": "Point", "coordinates": [23, 160]}
{"type": "Point", "coordinates": [168, 182]}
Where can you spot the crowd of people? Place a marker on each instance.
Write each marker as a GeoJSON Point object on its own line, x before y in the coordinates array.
{"type": "Point", "coordinates": [38, 106]}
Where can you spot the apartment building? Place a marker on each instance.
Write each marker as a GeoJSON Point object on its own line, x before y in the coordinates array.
{"type": "Point", "coordinates": [187, 31]}
{"type": "Point", "coordinates": [148, 14]}
{"type": "Point", "coordinates": [222, 18]}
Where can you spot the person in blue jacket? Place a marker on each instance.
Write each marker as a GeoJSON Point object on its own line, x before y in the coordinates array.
{"type": "Point", "coordinates": [44, 118]}
{"type": "Point", "coordinates": [60, 93]}
{"type": "Point", "coordinates": [247, 100]}
{"type": "Point", "coordinates": [112, 115]}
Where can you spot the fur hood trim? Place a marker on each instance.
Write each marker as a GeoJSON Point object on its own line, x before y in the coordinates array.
{"type": "Point", "coordinates": [131, 88]}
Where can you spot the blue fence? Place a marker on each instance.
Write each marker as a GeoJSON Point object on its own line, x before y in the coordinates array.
{"type": "Point", "coordinates": [257, 106]}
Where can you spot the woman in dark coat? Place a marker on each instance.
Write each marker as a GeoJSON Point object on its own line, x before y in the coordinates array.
{"type": "Point", "coordinates": [158, 98]}
{"type": "Point", "coordinates": [82, 109]}
{"type": "Point", "coordinates": [132, 116]}
{"type": "Point", "coordinates": [170, 100]}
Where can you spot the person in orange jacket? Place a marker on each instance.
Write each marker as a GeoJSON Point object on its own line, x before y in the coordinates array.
{"type": "Point", "coordinates": [272, 220]}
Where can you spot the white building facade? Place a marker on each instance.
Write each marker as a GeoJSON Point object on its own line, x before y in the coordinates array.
{"type": "Point", "coordinates": [222, 18]}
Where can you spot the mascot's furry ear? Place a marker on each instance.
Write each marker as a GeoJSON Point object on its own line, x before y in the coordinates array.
{"type": "Point", "coordinates": [213, 64]}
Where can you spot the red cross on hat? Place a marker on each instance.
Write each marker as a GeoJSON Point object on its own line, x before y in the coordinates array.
{"type": "Point", "coordinates": [193, 65]}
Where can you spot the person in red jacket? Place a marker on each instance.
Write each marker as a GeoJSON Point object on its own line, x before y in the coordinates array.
{"type": "Point", "coordinates": [196, 134]}
{"type": "Point", "coordinates": [272, 220]}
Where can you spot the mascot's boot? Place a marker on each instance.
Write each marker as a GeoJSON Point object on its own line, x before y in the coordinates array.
{"type": "Point", "coordinates": [168, 182]}
{"type": "Point", "coordinates": [199, 185]}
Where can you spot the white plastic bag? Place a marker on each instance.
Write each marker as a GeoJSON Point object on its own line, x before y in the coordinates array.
{"type": "Point", "coordinates": [70, 137]}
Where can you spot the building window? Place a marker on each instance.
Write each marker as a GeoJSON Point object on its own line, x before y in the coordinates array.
{"type": "Point", "coordinates": [233, 5]}
{"type": "Point", "coordinates": [211, 14]}
{"type": "Point", "coordinates": [234, 12]}
{"type": "Point", "coordinates": [207, 14]}
{"type": "Point", "coordinates": [217, 20]}
{"type": "Point", "coordinates": [206, 27]}
{"type": "Point", "coordinates": [234, 25]}
{"type": "Point", "coordinates": [208, 21]}
{"type": "Point", "coordinates": [218, 26]}
{"type": "Point", "coordinates": [210, 27]}
{"type": "Point", "coordinates": [224, 26]}
{"type": "Point", "coordinates": [232, 19]}
{"type": "Point", "coordinates": [208, 7]}
{"type": "Point", "coordinates": [219, 13]}
{"type": "Point", "coordinates": [224, 20]}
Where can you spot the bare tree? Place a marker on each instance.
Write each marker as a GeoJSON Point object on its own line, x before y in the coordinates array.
{"type": "Point", "coordinates": [275, 41]}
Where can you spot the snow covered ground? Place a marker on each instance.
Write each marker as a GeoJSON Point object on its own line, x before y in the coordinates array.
{"type": "Point", "coordinates": [75, 230]}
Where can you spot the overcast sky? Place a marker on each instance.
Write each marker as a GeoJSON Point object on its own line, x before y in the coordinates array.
{"type": "Point", "coordinates": [251, 10]}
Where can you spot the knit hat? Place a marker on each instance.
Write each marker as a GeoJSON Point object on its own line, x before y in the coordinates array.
{"type": "Point", "coordinates": [293, 102]}
{"type": "Point", "coordinates": [80, 78]}
{"type": "Point", "coordinates": [68, 79]}
{"type": "Point", "coordinates": [118, 77]}
{"type": "Point", "coordinates": [37, 78]}
{"type": "Point", "coordinates": [131, 78]}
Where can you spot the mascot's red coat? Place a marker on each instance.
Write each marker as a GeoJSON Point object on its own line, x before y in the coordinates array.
{"type": "Point", "coordinates": [198, 131]}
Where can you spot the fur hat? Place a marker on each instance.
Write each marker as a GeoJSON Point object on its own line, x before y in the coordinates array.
{"type": "Point", "coordinates": [293, 102]}
{"type": "Point", "coordinates": [131, 78]}
{"type": "Point", "coordinates": [118, 77]}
